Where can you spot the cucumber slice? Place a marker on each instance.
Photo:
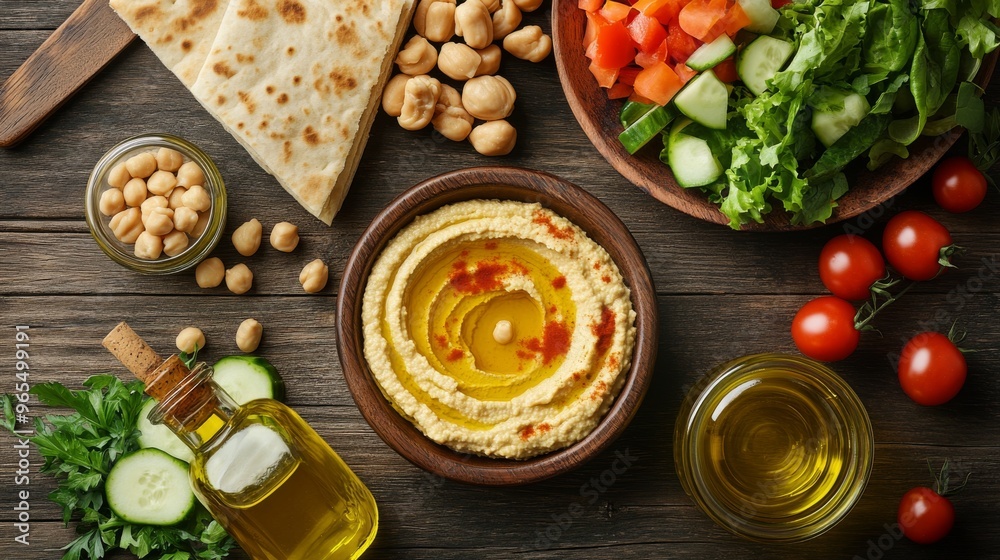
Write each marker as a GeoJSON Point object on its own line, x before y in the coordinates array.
{"type": "Point", "coordinates": [632, 110]}
{"type": "Point", "coordinates": [705, 100]}
{"type": "Point", "coordinates": [762, 16]}
{"type": "Point", "coordinates": [646, 128]}
{"type": "Point", "coordinates": [690, 158]}
{"type": "Point", "coordinates": [710, 54]}
{"type": "Point", "coordinates": [158, 436]}
{"type": "Point", "coordinates": [246, 378]}
{"type": "Point", "coordinates": [761, 60]}
{"type": "Point", "coordinates": [838, 113]}
{"type": "Point", "coordinates": [150, 487]}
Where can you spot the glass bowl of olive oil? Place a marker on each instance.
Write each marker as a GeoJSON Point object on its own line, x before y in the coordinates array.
{"type": "Point", "coordinates": [774, 448]}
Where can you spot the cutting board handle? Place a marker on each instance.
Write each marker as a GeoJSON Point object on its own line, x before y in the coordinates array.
{"type": "Point", "coordinates": [84, 44]}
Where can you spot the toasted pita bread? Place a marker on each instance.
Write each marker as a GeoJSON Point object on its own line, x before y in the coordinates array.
{"type": "Point", "coordinates": [296, 82]}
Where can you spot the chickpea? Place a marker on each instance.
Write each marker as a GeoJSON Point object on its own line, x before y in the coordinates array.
{"type": "Point", "coordinates": [528, 43]}
{"type": "Point", "coordinates": [450, 118]}
{"type": "Point", "coordinates": [201, 225]}
{"type": "Point", "coordinates": [285, 237]}
{"type": "Point", "coordinates": [528, 5]}
{"type": "Point", "coordinates": [458, 61]}
{"type": "Point", "coordinates": [488, 98]}
{"type": "Point", "coordinates": [506, 20]}
{"type": "Point", "coordinates": [174, 243]}
{"type": "Point", "coordinates": [118, 176]}
{"type": "Point", "coordinates": [127, 225]}
{"type": "Point", "coordinates": [435, 19]}
{"type": "Point", "coordinates": [161, 182]}
{"type": "Point", "coordinates": [196, 198]}
{"type": "Point", "coordinates": [159, 221]}
{"type": "Point", "coordinates": [248, 335]}
{"type": "Point", "coordinates": [168, 159]}
{"type": "Point", "coordinates": [190, 339]}
{"type": "Point", "coordinates": [417, 57]}
{"type": "Point", "coordinates": [210, 273]}
{"type": "Point", "coordinates": [148, 246]}
{"type": "Point", "coordinates": [419, 98]}
{"type": "Point", "coordinates": [246, 238]}
{"type": "Point", "coordinates": [493, 138]}
{"type": "Point", "coordinates": [190, 174]}
{"type": "Point", "coordinates": [134, 191]}
{"type": "Point", "coordinates": [489, 62]}
{"type": "Point", "coordinates": [491, 5]}
{"type": "Point", "coordinates": [392, 95]}
{"type": "Point", "coordinates": [150, 203]}
{"type": "Point", "coordinates": [503, 332]}
{"type": "Point", "coordinates": [112, 202]}
{"type": "Point", "coordinates": [239, 279]}
{"type": "Point", "coordinates": [185, 219]}
{"type": "Point", "coordinates": [474, 24]}
{"type": "Point", "coordinates": [174, 198]}
{"type": "Point", "coordinates": [314, 275]}
{"type": "Point", "coordinates": [142, 165]}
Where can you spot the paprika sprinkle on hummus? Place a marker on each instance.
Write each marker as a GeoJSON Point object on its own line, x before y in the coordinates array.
{"type": "Point", "coordinates": [489, 325]}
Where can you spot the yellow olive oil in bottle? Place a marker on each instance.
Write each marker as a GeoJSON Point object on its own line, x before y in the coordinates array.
{"type": "Point", "coordinates": [259, 469]}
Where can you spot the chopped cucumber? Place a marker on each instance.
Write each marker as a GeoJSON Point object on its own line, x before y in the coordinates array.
{"type": "Point", "coordinates": [150, 487]}
{"type": "Point", "coordinates": [705, 100]}
{"type": "Point", "coordinates": [837, 113]}
{"type": "Point", "coordinates": [160, 437]}
{"type": "Point", "coordinates": [690, 158]}
{"type": "Point", "coordinates": [762, 16]}
{"type": "Point", "coordinates": [246, 378]}
{"type": "Point", "coordinates": [632, 110]}
{"type": "Point", "coordinates": [646, 128]}
{"type": "Point", "coordinates": [711, 54]}
{"type": "Point", "coordinates": [761, 60]}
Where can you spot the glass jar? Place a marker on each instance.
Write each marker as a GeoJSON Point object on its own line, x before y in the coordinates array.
{"type": "Point", "coordinates": [774, 448]}
{"type": "Point", "coordinates": [123, 253]}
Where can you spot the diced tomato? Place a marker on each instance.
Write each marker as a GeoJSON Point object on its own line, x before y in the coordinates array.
{"type": "Point", "coordinates": [776, 4]}
{"type": "Point", "coordinates": [605, 76]}
{"type": "Point", "coordinates": [658, 83]}
{"type": "Point", "coordinates": [591, 51]}
{"type": "Point", "coordinates": [619, 90]}
{"type": "Point", "coordinates": [684, 72]}
{"type": "Point", "coordinates": [726, 70]}
{"type": "Point", "coordinates": [613, 46]}
{"type": "Point", "coordinates": [646, 32]}
{"type": "Point", "coordinates": [594, 23]}
{"type": "Point", "coordinates": [590, 5]}
{"type": "Point", "coordinates": [615, 11]}
{"type": "Point", "coordinates": [639, 99]}
{"type": "Point", "coordinates": [680, 45]}
{"type": "Point", "coordinates": [627, 75]}
{"type": "Point", "coordinates": [665, 11]}
{"type": "Point", "coordinates": [699, 16]}
{"type": "Point", "coordinates": [646, 59]}
{"type": "Point", "coordinates": [730, 24]}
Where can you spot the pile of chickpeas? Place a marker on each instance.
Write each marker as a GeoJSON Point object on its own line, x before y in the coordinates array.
{"type": "Point", "coordinates": [157, 202]}
{"type": "Point", "coordinates": [284, 237]}
{"type": "Point", "coordinates": [417, 99]}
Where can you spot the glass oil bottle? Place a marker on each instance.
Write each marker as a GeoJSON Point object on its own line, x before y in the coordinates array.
{"type": "Point", "coordinates": [259, 469]}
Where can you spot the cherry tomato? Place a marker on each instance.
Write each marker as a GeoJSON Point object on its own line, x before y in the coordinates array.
{"type": "Point", "coordinates": [957, 185]}
{"type": "Point", "coordinates": [912, 243]}
{"type": "Point", "coordinates": [823, 329]}
{"type": "Point", "coordinates": [925, 516]}
{"type": "Point", "coordinates": [849, 265]}
{"type": "Point", "coordinates": [931, 369]}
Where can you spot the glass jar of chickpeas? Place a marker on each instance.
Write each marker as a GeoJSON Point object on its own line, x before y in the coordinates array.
{"type": "Point", "coordinates": [156, 204]}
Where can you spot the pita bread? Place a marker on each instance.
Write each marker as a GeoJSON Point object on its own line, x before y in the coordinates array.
{"type": "Point", "coordinates": [296, 82]}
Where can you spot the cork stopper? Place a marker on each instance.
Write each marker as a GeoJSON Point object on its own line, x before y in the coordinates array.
{"type": "Point", "coordinates": [132, 351]}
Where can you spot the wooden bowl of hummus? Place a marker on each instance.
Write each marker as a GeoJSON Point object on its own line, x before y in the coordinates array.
{"type": "Point", "coordinates": [497, 326]}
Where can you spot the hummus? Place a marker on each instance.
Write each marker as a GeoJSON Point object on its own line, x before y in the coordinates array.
{"type": "Point", "coordinates": [498, 328]}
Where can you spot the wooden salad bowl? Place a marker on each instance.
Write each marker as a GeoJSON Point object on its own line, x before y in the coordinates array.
{"type": "Point", "coordinates": [508, 183]}
{"type": "Point", "coordinates": [598, 116]}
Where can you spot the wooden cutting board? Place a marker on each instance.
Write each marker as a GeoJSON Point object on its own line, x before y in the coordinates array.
{"type": "Point", "coordinates": [83, 45]}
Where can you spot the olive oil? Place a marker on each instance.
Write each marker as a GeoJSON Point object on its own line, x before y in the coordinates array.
{"type": "Point", "coordinates": [773, 449]}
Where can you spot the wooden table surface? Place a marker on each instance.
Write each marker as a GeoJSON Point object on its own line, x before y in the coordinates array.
{"type": "Point", "coordinates": [722, 294]}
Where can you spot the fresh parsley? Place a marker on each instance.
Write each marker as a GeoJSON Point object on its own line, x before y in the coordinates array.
{"type": "Point", "coordinates": [79, 450]}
